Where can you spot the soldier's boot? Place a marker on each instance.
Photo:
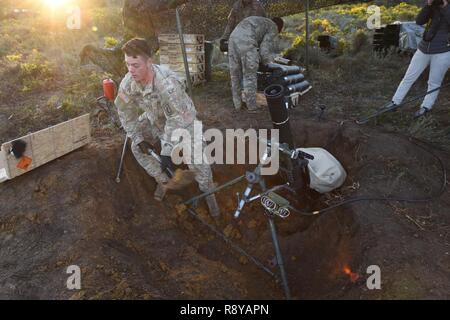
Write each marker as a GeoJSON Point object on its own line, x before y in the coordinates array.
{"type": "Point", "coordinates": [160, 192]}
{"type": "Point", "coordinates": [161, 187]}
{"type": "Point", "coordinates": [213, 207]}
{"type": "Point", "coordinates": [237, 103]}
{"type": "Point", "coordinates": [252, 108]}
{"type": "Point", "coordinates": [250, 100]}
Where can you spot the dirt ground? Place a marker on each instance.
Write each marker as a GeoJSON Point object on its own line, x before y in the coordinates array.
{"type": "Point", "coordinates": [72, 212]}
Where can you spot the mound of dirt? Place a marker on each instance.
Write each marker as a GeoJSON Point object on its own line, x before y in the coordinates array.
{"type": "Point", "coordinates": [72, 212]}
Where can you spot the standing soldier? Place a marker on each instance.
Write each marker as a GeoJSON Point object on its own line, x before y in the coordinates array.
{"type": "Point", "coordinates": [254, 40]}
{"type": "Point", "coordinates": [152, 104]}
{"type": "Point", "coordinates": [241, 10]}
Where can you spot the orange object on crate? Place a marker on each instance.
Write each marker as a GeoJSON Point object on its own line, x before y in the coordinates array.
{"type": "Point", "coordinates": [24, 163]}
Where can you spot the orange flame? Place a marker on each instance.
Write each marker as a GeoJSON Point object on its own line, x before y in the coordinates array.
{"type": "Point", "coordinates": [353, 276]}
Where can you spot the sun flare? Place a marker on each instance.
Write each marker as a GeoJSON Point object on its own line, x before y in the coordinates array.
{"type": "Point", "coordinates": [54, 3]}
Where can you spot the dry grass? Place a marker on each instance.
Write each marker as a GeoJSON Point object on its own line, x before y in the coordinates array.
{"type": "Point", "coordinates": [45, 85]}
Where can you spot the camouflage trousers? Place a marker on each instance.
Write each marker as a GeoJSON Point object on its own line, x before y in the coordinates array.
{"type": "Point", "coordinates": [203, 174]}
{"type": "Point", "coordinates": [244, 63]}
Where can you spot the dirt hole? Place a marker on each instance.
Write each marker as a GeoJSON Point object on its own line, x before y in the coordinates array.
{"type": "Point", "coordinates": [73, 212]}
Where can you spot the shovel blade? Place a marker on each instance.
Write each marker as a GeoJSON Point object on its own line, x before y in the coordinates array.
{"type": "Point", "coordinates": [180, 179]}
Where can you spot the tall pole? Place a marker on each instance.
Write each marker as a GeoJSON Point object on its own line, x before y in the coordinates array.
{"type": "Point", "coordinates": [307, 33]}
{"type": "Point", "coordinates": [183, 51]}
{"type": "Point", "coordinates": [279, 257]}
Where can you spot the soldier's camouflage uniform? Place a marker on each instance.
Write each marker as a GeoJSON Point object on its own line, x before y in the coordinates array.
{"type": "Point", "coordinates": [152, 113]}
{"type": "Point", "coordinates": [254, 40]}
{"type": "Point", "coordinates": [239, 12]}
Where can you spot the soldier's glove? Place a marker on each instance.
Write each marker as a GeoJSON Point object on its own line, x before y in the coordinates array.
{"type": "Point", "coordinates": [223, 44]}
{"type": "Point", "coordinates": [167, 164]}
{"type": "Point", "coordinates": [18, 148]}
{"type": "Point", "coordinates": [144, 146]}
{"type": "Point", "coordinates": [281, 60]}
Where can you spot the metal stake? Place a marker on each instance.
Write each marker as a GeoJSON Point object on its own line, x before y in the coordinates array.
{"type": "Point", "coordinates": [124, 150]}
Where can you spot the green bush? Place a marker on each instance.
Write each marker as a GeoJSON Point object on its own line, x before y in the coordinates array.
{"type": "Point", "coordinates": [107, 20]}
{"type": "Point", "coordinates": [348, 23]}
{"type": "Point", "coordinates": [35, 71]}
{"type": "Point", "coordinates": [110, 42]}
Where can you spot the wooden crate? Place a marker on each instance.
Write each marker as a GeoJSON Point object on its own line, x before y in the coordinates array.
{"type": "Point", "coordinates": [165, 49]}
{"type": "Point", "coordinates": [175, 38]}
{"type": "Point", "coordinates": [179, 67]}
{"type": "Point", "coordinates": [170, 58]}
{"type": "Point", "coordinates": [46, 145]}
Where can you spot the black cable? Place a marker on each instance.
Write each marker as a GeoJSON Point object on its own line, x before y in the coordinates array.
{"type": "Point", "coordinates": [392, 106]}
{"type": "Point", "coordinates": [423, 95]}
{"type": "Point", "coordinates": [391, 199]}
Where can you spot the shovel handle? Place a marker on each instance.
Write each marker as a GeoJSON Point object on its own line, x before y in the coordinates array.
{"type": "Point", "coordinates": [158, 158]}
{"type": "Point", "coordinates": [124, 150]}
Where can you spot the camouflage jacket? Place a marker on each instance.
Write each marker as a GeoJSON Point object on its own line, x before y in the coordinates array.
{"type": "Point", "coordinates": [257, 32]}
{"type": "Point", "coordinates": [239, 12]}
{"type": "Point", "coordinates": [164, 103]}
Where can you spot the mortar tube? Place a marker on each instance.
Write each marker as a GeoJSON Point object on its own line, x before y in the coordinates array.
{"type": "Point", "coordinates": [279, 113]}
